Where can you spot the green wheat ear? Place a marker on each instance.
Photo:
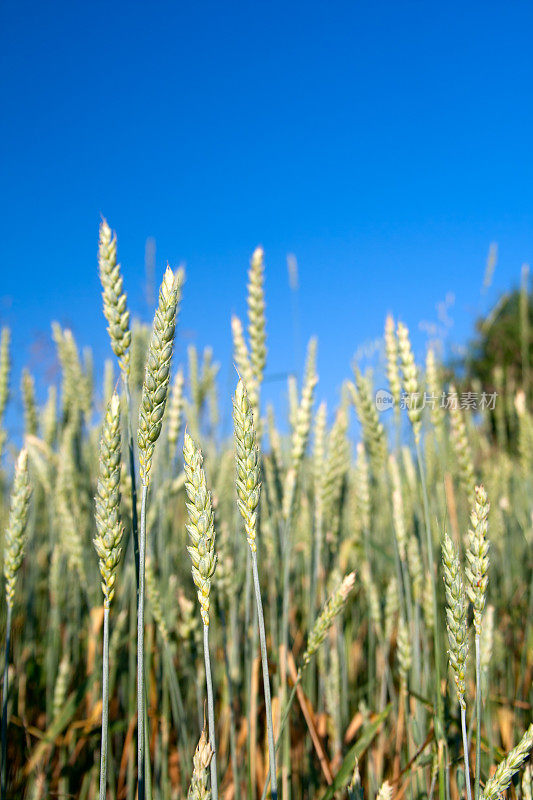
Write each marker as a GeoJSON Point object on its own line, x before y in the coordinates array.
{"type": "Point", "coordinates": [157, 372]}
{"type": "Point", "coordinates": [203, 754]}
{"type": "Point", "coordinates": [107, 543]}
{"type": "Point", "coordinates": [114, 297]}
{"type": "Point", "coordinates": [477, 555]}
{"type": "Point", "coordinates": [201, 525]}
{"type": "Point", "coordinates": [15, 535]}
{"type": "Point", "coordinates": [333, 606]}
{"type": "Point", "coordinates": [509, 766]}
{"type": "Point", "coordinates": [456, 613]}
{"type": "Point", "coordinates": [247, 462]}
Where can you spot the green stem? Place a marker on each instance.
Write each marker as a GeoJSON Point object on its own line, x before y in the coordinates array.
{"type": "Point", "coordinates": [210, 714]}
{"type": "Point", "coordinates": [4, 703]}
{"type": "Point", "coordinates": [131, 454]}
{"type": "Point", "coordinates": [436, 637]}
{"type": "Point", "coordinates": [140, 652]}
{"type": "Point", "coordinates": [232, 727]}
{"type": "Point", "coordinates": [465, 751]}
{"type": "Point", "coordinates": [266, 681]}
{"type": "Point", "coordinates": [105, 706]}
{"type": "Point", "coordinates": [478, 717]}
{"type": "Point", "coordinates": [282, 727]}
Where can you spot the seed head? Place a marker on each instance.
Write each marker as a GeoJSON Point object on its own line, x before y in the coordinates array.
{"type": "Point", "coordinates": [31, 423]}
{"type": "Point", "coordinates": [157, 371]}
{"type": "Point", "coordinates": [61, 685]}
{"type": "Point", "coordinates": [477, 555]}
{"type": "Point", "coordinates": [509, 766]}
{"type": "Point", "coordinates": [415, 567]}
{"type": "Point", "coordinates": [456, 610]}
{"type": "Point", "coordinates": [302, 425]}
{"type": "Point", "coordinates": [256, 315]}
{"type": "Point", "coordinates": [114, 297]}
{"type": "Point", "coordinates": [201, 760]}
{"type": "Point", "coordinates": [175, 411]}
{"type": "Point", "coordinates": [5, 369]}
{"type": "Point", "coordinates": [247, 462]}
{"type": "Point", "coordinates": [334, 605]}
{"type": "Point", "coordinates": [109, 527]}
{"type": "Point", "coordinates": [15, 535]}
{"type": "Point", "coordinates": [410, 379]}
{"type": "Point", "coordinates": [373, 431]}
{"type": "Point", "coordinates": [404, 652]}
{"type": "Point", "coordinates": [201, 525]}
{"type": "Point", "coordinates": [385, 791]}
{"type": "Point", "coordinates": [398, 517]}
{"type": "Point", "coordinates": [391, 352]}
{"type": "Point", "coordinates": [462, 449]}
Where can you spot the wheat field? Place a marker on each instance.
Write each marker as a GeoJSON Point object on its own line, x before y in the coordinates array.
{"type": "Point", "coordinates": [332, 603]}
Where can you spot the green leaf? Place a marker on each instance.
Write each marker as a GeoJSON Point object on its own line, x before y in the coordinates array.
{"type": "Point", "coordinates": [345, 772]}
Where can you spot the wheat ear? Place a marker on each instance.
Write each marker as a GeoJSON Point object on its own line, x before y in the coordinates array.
{"type": "Point", "coordinates": [410, 380]}
{"type": "Point", "coordinates": [14, 546]}
{"type": "Point", "coordinates": [509, 766]}
{"type": "Point", "coordinates": [114, 297]}
{"type": "Point", "coordinates": [201, 530]}
{"type": "Point", "coordinates": [198, 789]}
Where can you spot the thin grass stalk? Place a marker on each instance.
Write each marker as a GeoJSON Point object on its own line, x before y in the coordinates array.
{"type": "Point", "coordinates": [477, 790]}
{"type": "Point", "coordinates": [210, 713]}
{"type": "Point", "coordinates": [140, 651]}
{"type": "Point", "coordinates": [436, 636]}
{"type": "Point", "coordinates": [105, 706]}
{"type": "Point", "coordinates": [5, 692]}
{"type": "Point", "coordinates": [176, 699]}
{"type": "Point", "coordinates": [465, 752]}
{"type": "Point", "coordinates": [232, 727]}
{"type": "Point", "coordinates": [133, 479]}
{"type": "Point", "coordinates": [266, 681]}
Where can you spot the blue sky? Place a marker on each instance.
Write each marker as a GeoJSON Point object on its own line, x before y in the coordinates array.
{"type": "Point", "coordinates": [384, 144]}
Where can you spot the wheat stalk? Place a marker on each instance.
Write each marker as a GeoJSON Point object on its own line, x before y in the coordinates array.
{"type": "Point", "coordinates": [456, 614]}
{"type": "Point", "coordinates": [248, 490]}
{"type": "Point", "coordinates": [107, 544]}
{"type": "Point", "coordinates": [477, 555]}
{"type": "Point", "coordinates": [14, 546]}
{"type": "Point", "coordinates": [151, 410]}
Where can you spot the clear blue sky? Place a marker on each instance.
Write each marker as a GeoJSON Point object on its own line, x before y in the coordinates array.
{"type": "Point", "coordinates": [385, 144]}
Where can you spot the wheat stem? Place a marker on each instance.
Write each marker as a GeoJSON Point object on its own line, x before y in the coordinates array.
{"type": "Point", "coordinates": [465, 752]}
{"type": "Point", "coordinates": [436, 636]}
{"type": "Point", "coordinates": [477, 790]}
{"type": "Point", "coordinates": [140, 651]}
{"type": "Point", "coordinates": [105, 706]}
{"type": "Point", "coordinates": [266, 681]}
{"type": "Point", "coordinates": [4, 702]}
{"type": "Point", "coordinates": [131, 460]}
{"type": "Point", "coordinates": [210, 714]}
